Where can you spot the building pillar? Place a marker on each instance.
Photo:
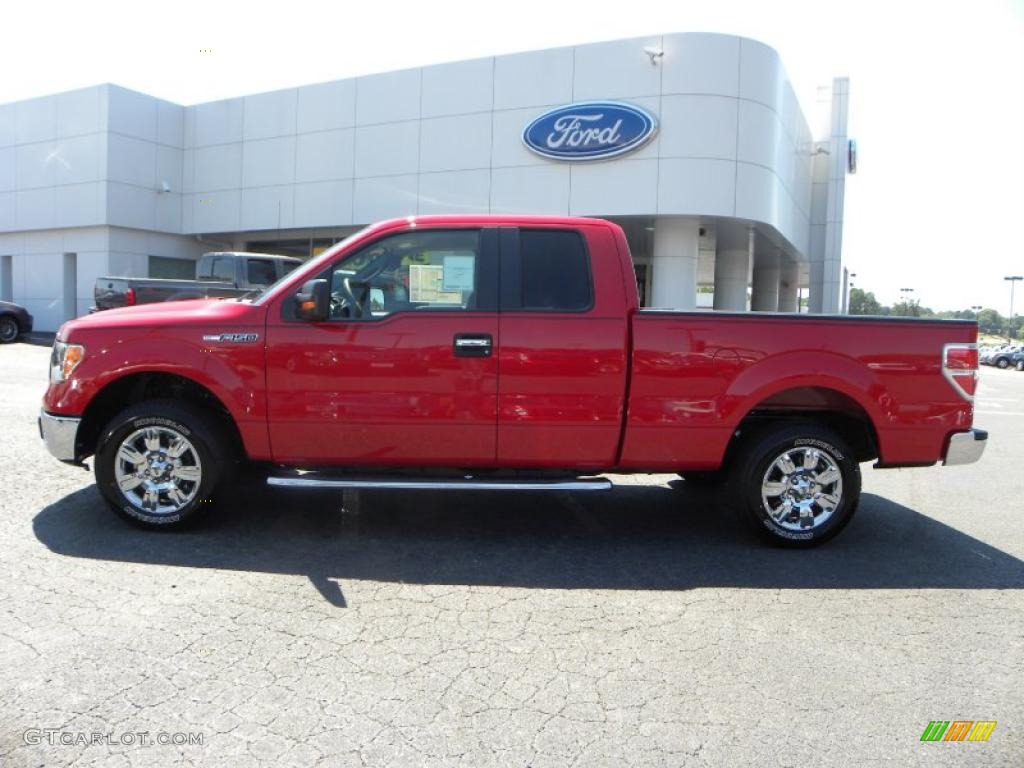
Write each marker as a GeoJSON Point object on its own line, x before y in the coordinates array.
{"type": "Point", "coordinates": [830, 163]}
{"type": "Point", "coordinates": [789, 284]}
{"type": "Point", "coordinates": [733, 252]}
{"type": "Point", "coordinates": [764, 294]}
{"type": "Point", "coordinates": [674, 263]}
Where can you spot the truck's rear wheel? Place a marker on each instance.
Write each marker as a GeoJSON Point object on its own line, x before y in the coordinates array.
{"type": "Point", "coordinates": [798, 485]}
{"type": "Point", "coordinates": [159, 462]}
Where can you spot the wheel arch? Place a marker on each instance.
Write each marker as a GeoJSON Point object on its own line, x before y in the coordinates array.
{"type": "Point", "coordinates": [820, 404]}
{"type": "Point", "coordinates": [139, 386]}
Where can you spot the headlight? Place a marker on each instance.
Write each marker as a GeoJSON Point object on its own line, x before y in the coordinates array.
{"type": "Point", "coordinates": [64, 359]}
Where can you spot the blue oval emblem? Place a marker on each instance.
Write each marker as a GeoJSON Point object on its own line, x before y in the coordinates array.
{"type": "Point", "coordinates": [590, 130]}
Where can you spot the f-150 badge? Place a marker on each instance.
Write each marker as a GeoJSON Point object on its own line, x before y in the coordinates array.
{"type": "Point", "coordinates": [232, 338]}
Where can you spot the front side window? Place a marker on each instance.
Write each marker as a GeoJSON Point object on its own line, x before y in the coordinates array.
{"type": "Point", "coordinates": [556, 272]}
{"type": "Point", "coordinates": [415, 270]}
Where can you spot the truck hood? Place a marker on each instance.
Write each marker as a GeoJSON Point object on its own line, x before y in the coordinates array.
{"type": "Point", "coordinates": [214, 313]}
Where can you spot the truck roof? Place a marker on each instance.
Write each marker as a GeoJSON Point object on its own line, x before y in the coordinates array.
{"type": "Point", "coordinates": [484, 219]}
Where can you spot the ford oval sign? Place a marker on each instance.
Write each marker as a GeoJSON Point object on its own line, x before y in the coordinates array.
{"type": "Point", "coordinates": [590, 130]}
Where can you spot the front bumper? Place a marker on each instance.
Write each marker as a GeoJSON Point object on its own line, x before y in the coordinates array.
{"type": "Point", "coordinates": [59, 433]}
{"type": "Point", "coordinates": [965, 447]}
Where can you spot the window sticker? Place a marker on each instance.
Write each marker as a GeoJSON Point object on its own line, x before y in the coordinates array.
{"type": "Point", "coordinates": [458, 270]}
{"type": "Point", "coordinates": [426, 285]}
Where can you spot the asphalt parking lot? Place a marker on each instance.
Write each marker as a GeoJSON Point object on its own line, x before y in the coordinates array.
{"type": "Point", "coordinates": [639, 627]}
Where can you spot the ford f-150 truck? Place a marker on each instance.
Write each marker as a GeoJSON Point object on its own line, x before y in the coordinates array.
{"type": "Point", "coordinates": [504, 353]}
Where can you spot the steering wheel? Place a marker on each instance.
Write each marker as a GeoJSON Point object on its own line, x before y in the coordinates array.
{"type": "Point", "coordinates": [344, 299]}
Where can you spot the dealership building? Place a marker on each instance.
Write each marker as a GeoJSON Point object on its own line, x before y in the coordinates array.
{"type": "Point", "coordinates": [694, 143]}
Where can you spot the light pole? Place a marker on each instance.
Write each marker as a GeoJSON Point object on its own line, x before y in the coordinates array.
{"type": "Point", "coordinates": [1009, 324]}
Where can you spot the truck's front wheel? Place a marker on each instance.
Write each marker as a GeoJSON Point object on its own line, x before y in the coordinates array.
{"type": "Point", "coordinates": [158, 463]}
{"type": "Point", "coordinates": [798, 485]}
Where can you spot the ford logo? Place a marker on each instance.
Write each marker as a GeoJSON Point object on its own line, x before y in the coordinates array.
{"type": "Point", "coordinates": [590, 130]}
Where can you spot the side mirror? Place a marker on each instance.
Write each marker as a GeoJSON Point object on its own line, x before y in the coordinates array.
{"type": "Point", "coordinates": [314, 301]}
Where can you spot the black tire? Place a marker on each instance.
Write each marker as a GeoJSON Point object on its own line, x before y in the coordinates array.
{"type": "Point", "coordinates": [754, 466]}
{"type": "Point", "coordinates": [8, 329]}
{"type": "Point", "coordinates": [705, 478]}
{"type": "Point", "coordinates": [1020, 365]}
{"type": "Point", "coordinates": [167, 417]}
{"type": "Point", "coordinates": [1003, 362]}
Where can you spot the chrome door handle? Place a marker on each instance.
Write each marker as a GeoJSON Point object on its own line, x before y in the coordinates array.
{"type": "Point", "coordinates": [473, 345]}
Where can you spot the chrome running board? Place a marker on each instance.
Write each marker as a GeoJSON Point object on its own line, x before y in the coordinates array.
{"type": "Point", "coordinates": [440, 484]}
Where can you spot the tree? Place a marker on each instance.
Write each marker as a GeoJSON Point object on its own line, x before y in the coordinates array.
{"type": "Point", "coordinates": [911, 308]}
{"type": "Point", "coordinates": [864, 303]}
{"type": "Point", "coordinates": [1014, 326]}
{"type": "Point", "coordinates": [990, 321]}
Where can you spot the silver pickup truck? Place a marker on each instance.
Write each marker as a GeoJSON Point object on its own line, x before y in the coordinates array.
{"type": "Point", "coordinates": [218, 274]}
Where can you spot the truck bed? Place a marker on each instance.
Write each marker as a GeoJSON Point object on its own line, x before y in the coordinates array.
{"type": "Point", "coordinates": [696, 375]}
{"type": "Point", "coordinates": [112, 292]}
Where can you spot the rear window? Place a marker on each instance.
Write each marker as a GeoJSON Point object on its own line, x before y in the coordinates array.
{"type": "Point", "coordinates": [556, 272]}
{"type": "Point", "coordinates": [224, 268]}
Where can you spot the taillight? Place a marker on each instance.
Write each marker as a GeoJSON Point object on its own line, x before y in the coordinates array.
{"type": "Point", "coordinates": [129, 297]}
{"type": "Point", "coordinates": [960, 367]}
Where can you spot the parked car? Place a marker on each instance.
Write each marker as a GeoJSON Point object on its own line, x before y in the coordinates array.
{"type": "Point", "coordinates": [220, 274]}
{"type": "Point", "coordinates": [14, 321]}
{"type": "Point", "coordinates": [1002, 357]}
{"type": "Point", "coordinates": [1017, 361]}
{"type": "Point", "coordinates": [502, 353]}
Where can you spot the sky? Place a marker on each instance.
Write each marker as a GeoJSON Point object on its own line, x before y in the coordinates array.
{"type": "Point", "coordinates": [936, 105]}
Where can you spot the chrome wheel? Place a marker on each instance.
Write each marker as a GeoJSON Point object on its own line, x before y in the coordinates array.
{"type": "Point", "coordinates": [158, 470]}
{"type": "Point", "coordinates": [802, 488]}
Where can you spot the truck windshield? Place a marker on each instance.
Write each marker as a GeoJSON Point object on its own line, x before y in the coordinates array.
{"type": "Point", "coordinates": [310, 267]}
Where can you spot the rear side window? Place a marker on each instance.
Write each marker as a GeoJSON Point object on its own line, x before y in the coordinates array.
{"type": "Point", "coordinates": [556, 272]}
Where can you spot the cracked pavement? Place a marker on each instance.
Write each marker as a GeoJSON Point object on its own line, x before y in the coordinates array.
{"type": "Point", "coordinates": [639, 627]}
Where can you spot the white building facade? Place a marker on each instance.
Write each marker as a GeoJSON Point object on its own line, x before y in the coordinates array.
{"type": "Point", "coordinates": [731, 202]}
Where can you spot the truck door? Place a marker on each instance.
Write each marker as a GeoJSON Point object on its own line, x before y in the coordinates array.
{"type": "Point", "coordinates": [405, 369]}
{"type": "Point", "coordinates": [563, 352]}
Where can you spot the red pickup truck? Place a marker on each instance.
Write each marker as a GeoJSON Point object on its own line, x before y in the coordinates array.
{"type": "Point", "coordinates": [504, 353]}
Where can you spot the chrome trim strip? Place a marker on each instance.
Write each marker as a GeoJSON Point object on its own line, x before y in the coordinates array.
{"type": "Point", "coordinates": [965, 447]}
{"type": "Point", "coordinates": [601, 484]}
{"type": "Point", "coordinates": [59, 433]}
{"type": "Point", "coordinates": [472, 342]}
